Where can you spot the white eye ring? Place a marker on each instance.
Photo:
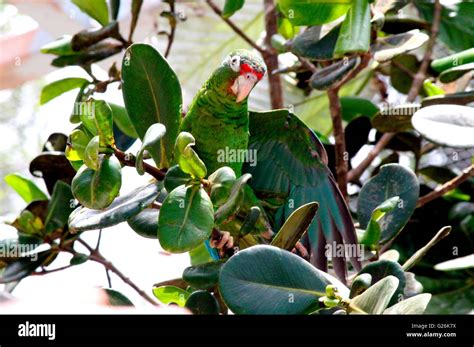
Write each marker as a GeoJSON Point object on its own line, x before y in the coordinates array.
{"type": "Point", "coordinates": [234, 63]}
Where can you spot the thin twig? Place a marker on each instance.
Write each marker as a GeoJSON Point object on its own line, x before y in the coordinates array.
{"type": "Point", "coordinates": [109, 280]}
{"type": "Point", "coordinates": [446, 187]}
{"type": "Point", "coordinates": [172, 30]}
{"type": "Point", "coordinates": [234, 27]}
{"type": "Point", "coordinates": [341, 154]}
{"type": "Point", "coordinates": [99, 258]}
{"type": "Point", "coordinates": [46, 272]}
{"type": "Point", "coordinates": [421, 74]}
{"type": "Point", "coordinates": [422, 251]}
{"type": "Point", "coordinates": [98, 240]}
{"type": "Point", "coordinates": [129, 160]}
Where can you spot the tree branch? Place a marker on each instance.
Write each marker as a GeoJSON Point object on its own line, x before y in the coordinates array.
{"type": "Point", "coordinates": [99, 258]}
{"type": "Point", "coordinates": [129, 160]}
{"type": "Point", "coordinates": [446, 187]}
{"type": "Point", "coordinates": [341, 154]}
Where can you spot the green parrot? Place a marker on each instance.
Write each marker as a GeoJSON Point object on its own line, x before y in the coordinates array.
{"type": "Point", "coordinates": [290, 164]}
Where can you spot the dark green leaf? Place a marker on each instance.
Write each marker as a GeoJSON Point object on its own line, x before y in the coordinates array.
{"type": "Point", "coordinates": [454, 73]}
{"type": "Point", "coordinates": [57, 88]}
{"type": "Point", "coordinates": [203, 276]}
{"type": "Point", "coordinates": [136, 7]}
{"type": "Point", "coordinates": [175, 177]}
{"type": "Point", "coordinates": [448, 125]}
{"type": "Point", "coordinates": [122, 208]}
{"type": "Point", "coordinates": [333, 74]}
{"type": "Point", "coordinates": [202, 302]}
{"type": "Point", "coordinates": [309, 45]}
{"type": "Point", "coordinates": [295, 226]}
{"type": "Point", "coordinates": [186, 219]}
{"type": "Point", "coordinates": [354, 36]}
{"type": "Point", "coordinates": [59, 208]}
{"type": "Point", "coordinates": [360, 284]}
{"type": "Point", "coordinates": [114, 9]}
{"type": "Point", "coordinates": [151, 139]}
{"type": "Point", "coordinates": [232, 6]}
{"type": "Point", "coordinates": [52, 166]}
{"type": "Point", "coordinates": [313, 12]}
{"type": "Point", "coordinates": [269, 280]}
{"type": "Point", "coordinates": [97, 189]}
{"type": "Point", "coordinates": [116, 298]}
{"type": "Point", "coordinates": [97, 52]}
{"type": "Point", "coordinates": [400, 79]}
{"type": "Point", "coordinates": [352, 107]}
{"type": "Point", "coordinates": [24, 266]}
{"type": "Point", "coordinates": [122, 120]}
{"type": "Point", "coordinates": [145, 223]}
{"type": "Point", "coordinates": [392, 180]}
{"type": "Point", "coordinates": [78, 259]}
{"type": "Point", "coordinates": [221, 182]}
{"type": "Point", "coordinates": [462, 98]}
{"type": "Point", "coordinates": [232, 205]}
{"type": "Point", "coordinates": [96, 9]}
{"type": "Point", "coordinates": [152, 97]}
{"type": "Point", "coordinates": [26, 188]}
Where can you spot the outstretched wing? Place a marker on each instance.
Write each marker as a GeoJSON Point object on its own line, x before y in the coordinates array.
{"type": "Point", "coordinates": [291, 165]}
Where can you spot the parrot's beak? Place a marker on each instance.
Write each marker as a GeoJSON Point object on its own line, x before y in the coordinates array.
{"type": "Point", "coordinates": [243, 85]}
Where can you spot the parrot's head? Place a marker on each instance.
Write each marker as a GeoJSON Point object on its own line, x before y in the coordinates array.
{"type": "Point", "coordinates": [245, 69]}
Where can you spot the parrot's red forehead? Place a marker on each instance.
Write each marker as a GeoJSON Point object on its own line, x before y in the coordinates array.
{"type": "Point", "coordinates": [246, 68]}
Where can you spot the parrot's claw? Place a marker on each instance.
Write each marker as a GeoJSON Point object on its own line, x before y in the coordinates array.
{"type": "Point", "coordinates": [301, 250]}
{"type": "Point", "coordinates": [223, 243]}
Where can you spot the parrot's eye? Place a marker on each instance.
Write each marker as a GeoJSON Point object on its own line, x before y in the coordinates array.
{"type": "Point", "coordinates": [235, 63]}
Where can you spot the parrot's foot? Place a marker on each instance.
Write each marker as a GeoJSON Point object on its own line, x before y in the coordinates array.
{"type": "Point", "coordinates": [222, 241]}
{"type": "Point", "coordinates": [301, 250]}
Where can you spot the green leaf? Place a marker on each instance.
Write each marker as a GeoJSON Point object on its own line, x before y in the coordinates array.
{"type": "Point", "coordinates": [395, 118]}
{"type": "Point", "coordinates": [354, 36]}
{"type": "Point", "coordinates": [374, 229]}
{"type": "Point", "coordinates": [91, 153]}
{"type": "Point", "coordinates": [186, 219]}
{"type": "Point", "coordinates": [26, 188]}
{"type": "Point", "coordinates": [314, 12]}
{"type": "Point", "coordinates": [116, 298]}
{"type": "Point", "coordinates": [376, 299]}
{"type": "Point", "coordinates": [78, 141]}
{"type": "Point", "coordinates": [200, 255]}
{"type": "Point", "coordinates": [202, 302]}
{"type": "Point", "coordinates": [232, 6]}
{"type": "Point", "coordinates": [59, 208]}
{"type": "Point", "coordinates": [392, 180]}
{"type": "Point", "coordinates": [96, 9]}
{"type": "Point", "coordinates": [295, 226]}
{"type": "Point", "coordinates": [462, 98]}
{"type": "Point", "coordinates": [381, 269]}
{"type": "Point", "coordinates": [360, 284]}
{"type": "Point", "coordinates": [188, 160]}
{"type": "Point", "coordinates": [114, 9]}
{"type": "Point", "coordinates": [122, 208]}
{"type": "Point", "coordinates": [399, 77]}
{"type": "Point", "coordinates": [353, 106]}
{"type": "Point", "coordinates": [454, 73]}
{"type": "Point", "coordinates": [454, 60]}
{"type": "Point", "coordinates": [79, 259]}
{"type": "Point", "coordinates": [97, 52]}
{"type": "Point", "coordinates": [96, 189]}
{"type": "Point", "coordinates": [415, 305]}
{"type": "Point", "coordinates": [61, 46]}
{"type": "Point", "coordinates": [24, 266]}
{"type": "Point", "coordinates": [152, 97]}
{"type": "Point", "coordinates": [122, 120]}
{"type": "Point", "coordinates": [221, 182]}
{"type": "Point", "coordinates": [203, 276]}
{"type": "Point", "coordinates": [151, 139]}
{"type": "Point", "coordinates": [465, 262]}
{"type": "Point", "coordinates": [269, 280]}
{"type": "Point", "coordinates": [175, 177]}
{"type": "Point", "coordinates": [98, 120]}
{"type": "Point", "coordinates": [57, 88]}
{"type": "Point", "coordinates": [171, 295]}
{"type": "Point", "coordinates": [136, 8]}
{"type": "Point", "coordinates": [447, 125]}
{"type": "Point", "coordinates": [231, 207]}
{"type": "Point", "coordinates": [145, 223]}
{"type": "Point", "coordinates": [332, 75]}
{"type": "Point", "coordinates": [387, 48]}
{"type": "Point", "coordinates": [309, 45]}
{"type": "Point", "coordinates": [432, 89]}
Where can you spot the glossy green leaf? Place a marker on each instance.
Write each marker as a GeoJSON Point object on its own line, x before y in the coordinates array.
{"type": "Point", "coordinates": [59, 208]}
{"type": "Point", "coordinates": [360, 284]}
{"type": "Point", "coordinates": [188, 160]}
{"type": "Point", "coordinates": [455, 60]}
{"type": "Point", "coordinates": [415, 305]}
{"type": "Point", "coordinates": [25, 187]}
{"type": "Point", "coordinates": [145, 223]}
{"type": "Point", "coordinates": [122, 120]}
{"type": "Point", "coordinates": [175, 177]}
{"type": "Point", "coordinates": [96, 9]}
{"type": "Point", "coordinates": [232, 6]}
{"type": "Point", "coordinates": [448, 125]}
{"type": "Point", "coordinates": [333, 74]}
{"type": "Point", "coordinates": [231, 207]}
{"type": "Point", "coordinates": [61, 46]}
{"type": "Point", "coordinates": [462, 98]}
{"type": "Point", "coordinates": [122, 208]}
{"type": "Point", "coordinates": [171, 295]}
{"type": "Point", "coordinates": [432, 89]}
{"type": "Point", "coordinates": [96, 189]}
{"type": "Point", "coordinates": [392, 180]}
{"type": "Point", "coordinates": [309, 45]}
{"type": "Point", "coordinates": [79, 259]}
{"type": "Point", "coordinates": [221, 182]}
{"type": "Point", "coordinates": [386, 48]}
{"type": "Point", "coordinates": [399, 77]}
{"type": "Point", "coordinates": [186, 219]}
{"type": "Point", "coordinates": [136, 8]}
{"type": "Point", "coordinates": [78, 141]}
{"type": "Point", "coordinates": [152, 97]}
{"type": "Point", "coordinates": [295, 226]}
{"type": "Point", "coordinates": [352, 107]}
{"type": "Point", "coordinates": [269, 280]}
{"type": "Point", "coordinates": [376, 299]}
{"type": "Point", "coordinates": [91, 153]}
{"type": "Point", "coordinates": [152, 137]}
{"type": "Point", "coordinates": [116, 298]}
{"type": "Point", "coordinates": [98, 120]}
{"type": "Point", "coordinates": [314, 12]}
{"type": "Point", "coordinates": [57, 88]}
{"type": "Point", "coordinates": [203, 276]}
{"type": "Point", "coordinates": [381, 269]}
{"type": "Point", "coordinates": [114, 9]}
{"type": "Point", "coordinates": [354, 36]}
{"type": "Point", "coordinates": [97, 52]}
{"type": "Point", "coordinates": [454, 73]}
{"type": "Point", "coordinates": [374, 228]}
{"type": "Point", "coordinates": [202, 302]}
